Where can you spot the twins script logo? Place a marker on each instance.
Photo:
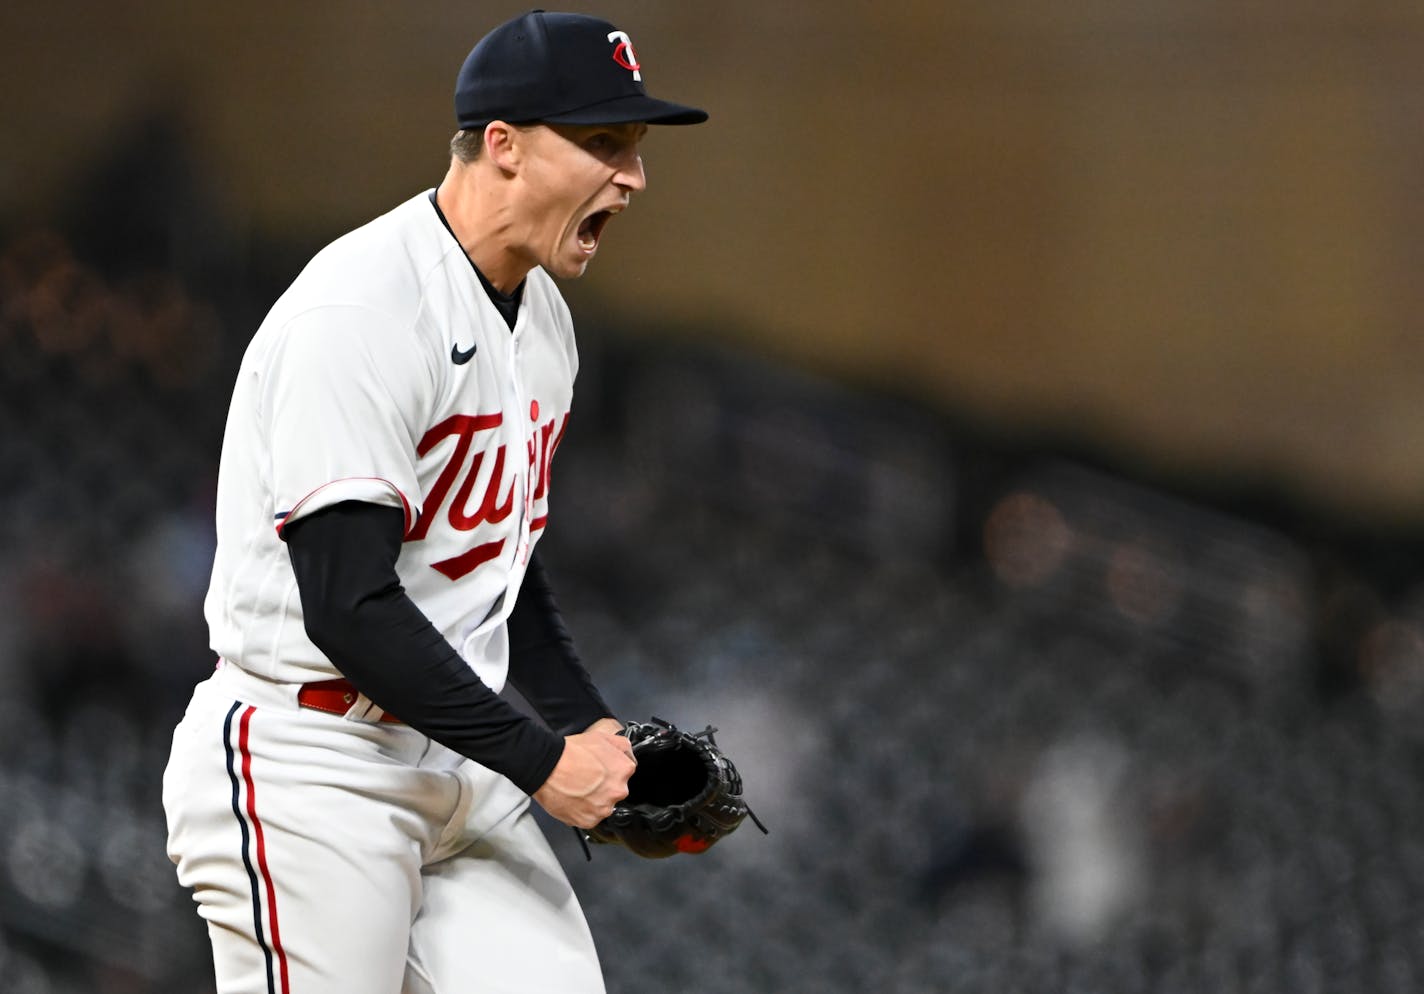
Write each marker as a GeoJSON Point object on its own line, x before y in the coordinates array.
{"type": "Point", "coordinates": [492, 508]}
{"type": "Point", "coordinates": [624, 55]}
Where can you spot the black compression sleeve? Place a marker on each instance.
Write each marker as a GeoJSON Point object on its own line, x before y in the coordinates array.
{"type": "Point", "coordinates": [359, 615]}
{"type": "Point", "coordinates": [543, 664]}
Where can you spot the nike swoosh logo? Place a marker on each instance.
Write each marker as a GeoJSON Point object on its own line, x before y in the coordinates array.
{"type": "Point", "coordinates": [460, 358]}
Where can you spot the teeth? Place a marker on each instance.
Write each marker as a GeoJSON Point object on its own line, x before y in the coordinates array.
{"type": "Point", "coordinates": [593, 225]}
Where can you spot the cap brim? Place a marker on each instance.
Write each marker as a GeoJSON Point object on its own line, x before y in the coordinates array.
{"type": "Point", "coordinates": [632, 108]}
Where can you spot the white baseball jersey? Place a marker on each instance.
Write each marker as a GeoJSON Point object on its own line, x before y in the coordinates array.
{"type": "Point", "coordinates": [385, 374]}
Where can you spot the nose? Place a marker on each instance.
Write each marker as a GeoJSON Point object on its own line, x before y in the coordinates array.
{"type": "Point", "coordinates": [630, 175]}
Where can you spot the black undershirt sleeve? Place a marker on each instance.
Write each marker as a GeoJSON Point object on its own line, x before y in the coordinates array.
{"type": "Point", "coordinates": [356, 611]}
{"type": "Point", "coordinates": [543, 664]}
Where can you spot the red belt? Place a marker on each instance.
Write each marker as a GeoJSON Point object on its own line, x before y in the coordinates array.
{"type": "Point", "coordinates": [333, 697]}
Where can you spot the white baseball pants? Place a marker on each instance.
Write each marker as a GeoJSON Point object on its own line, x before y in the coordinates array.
{"type": "Point", "coordinates": [335, 856]}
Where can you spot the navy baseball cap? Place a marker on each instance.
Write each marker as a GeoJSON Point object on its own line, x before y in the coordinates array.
{"type": "Point", "coordinates": [559, 69]}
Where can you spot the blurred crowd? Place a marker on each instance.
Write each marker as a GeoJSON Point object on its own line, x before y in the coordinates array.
{"type": "Point", "coordinates": [1016, 721]}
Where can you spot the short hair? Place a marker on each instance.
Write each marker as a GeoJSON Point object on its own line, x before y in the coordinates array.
{"type": "Point", "coordinates": [467, 143]}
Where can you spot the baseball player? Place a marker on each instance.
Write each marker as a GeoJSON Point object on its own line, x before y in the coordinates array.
{"type": "Point", "coordinates": [347, 796]}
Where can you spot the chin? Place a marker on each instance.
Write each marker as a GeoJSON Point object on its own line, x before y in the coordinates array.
{"type": "Point", "coordinates": [569, 270]}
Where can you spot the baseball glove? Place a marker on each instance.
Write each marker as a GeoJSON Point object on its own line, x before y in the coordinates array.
{"type": "Point", "coordinates": [683, 797]}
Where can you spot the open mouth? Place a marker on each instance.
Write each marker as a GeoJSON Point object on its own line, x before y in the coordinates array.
{"type": "Point", "coordinates": [592, 229]}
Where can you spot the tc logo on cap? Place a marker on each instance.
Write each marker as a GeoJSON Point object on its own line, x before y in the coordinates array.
{"type": "Point", "coordinates": [624, 55]}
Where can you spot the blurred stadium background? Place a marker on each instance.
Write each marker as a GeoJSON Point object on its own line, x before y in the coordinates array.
{"type": "Point", "coordinates": [1005, 424]}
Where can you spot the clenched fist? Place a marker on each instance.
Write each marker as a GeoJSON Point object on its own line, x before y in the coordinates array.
{"type": "Point", "coordinates": [591, 776]}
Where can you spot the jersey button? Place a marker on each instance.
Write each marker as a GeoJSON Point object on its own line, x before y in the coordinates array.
{"type": "Point", "coordinates": [533, 410]}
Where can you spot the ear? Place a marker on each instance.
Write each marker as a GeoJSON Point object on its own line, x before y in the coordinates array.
{"type": "Point", "coordinates": [503, 146]}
